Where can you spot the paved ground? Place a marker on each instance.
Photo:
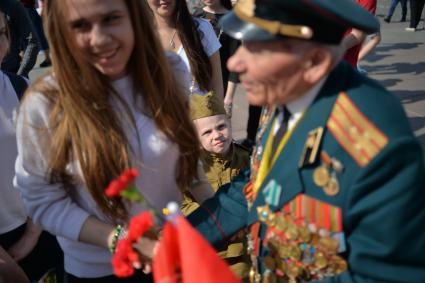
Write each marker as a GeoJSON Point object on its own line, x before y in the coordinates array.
{"type": "Point", "coordinates": [398, 63]}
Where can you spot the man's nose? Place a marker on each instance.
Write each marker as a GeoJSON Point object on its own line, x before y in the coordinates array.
{"type": "Point", "coordinates": [236, 61]}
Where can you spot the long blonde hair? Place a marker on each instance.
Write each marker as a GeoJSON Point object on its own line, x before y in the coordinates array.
{"type": "Point", "coordinates": [84, 125]}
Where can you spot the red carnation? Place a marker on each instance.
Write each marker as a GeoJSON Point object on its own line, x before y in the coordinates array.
{"type": "Point", "coordinates": [125, 258]}
{"type": "Point", "coordinates": [139, 225]}
{"type": "Point", "coordinates": [120, 184]}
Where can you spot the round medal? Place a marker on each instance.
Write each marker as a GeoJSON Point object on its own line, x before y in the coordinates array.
{"type": "Point", "coordinates": [321, 176]}
{"type": "Point", "coordinates": [332, 187]}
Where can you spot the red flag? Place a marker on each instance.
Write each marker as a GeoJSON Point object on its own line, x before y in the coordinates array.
{"type": "Point", "coordinates": [185, 256]}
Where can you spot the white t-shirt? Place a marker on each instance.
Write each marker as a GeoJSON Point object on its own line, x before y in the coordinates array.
{"type": "Point", "coordinates": [211, 45]}
{"type": "Point", "coordinates": [12, 212]}
{"type": "Point", "coordinates": [64, 212]}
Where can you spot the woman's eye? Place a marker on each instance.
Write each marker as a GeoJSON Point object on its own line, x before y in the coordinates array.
{"type": "Point", "coordinates": [112, 18]}
{"type": "Point", "coordinates": [80, 25]}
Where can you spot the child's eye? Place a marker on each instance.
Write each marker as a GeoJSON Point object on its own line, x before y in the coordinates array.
{"type": "Point", "coordinates": [221, 126]}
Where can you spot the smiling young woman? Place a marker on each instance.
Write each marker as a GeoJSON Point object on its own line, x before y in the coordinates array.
{"type": "Point", "coordinates": [104, 108]}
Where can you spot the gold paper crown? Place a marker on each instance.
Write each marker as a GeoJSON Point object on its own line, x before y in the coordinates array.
{"type": "Point", "coordinates": [205, 106]}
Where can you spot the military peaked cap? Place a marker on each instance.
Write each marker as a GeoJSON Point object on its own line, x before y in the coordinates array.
{"type": "Point", "coordinates": [323, 21]}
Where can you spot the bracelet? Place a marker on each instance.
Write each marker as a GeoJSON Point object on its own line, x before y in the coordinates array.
{"type": "Point", "coordinates": [228, 106]}
{"type": "Point", "coordinates": [118, 232]}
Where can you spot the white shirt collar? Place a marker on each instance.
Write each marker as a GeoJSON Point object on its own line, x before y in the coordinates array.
{"type": "Point", "coordinates": [301, 104]}
{"type": "Point", "coordinates": [298, 106]}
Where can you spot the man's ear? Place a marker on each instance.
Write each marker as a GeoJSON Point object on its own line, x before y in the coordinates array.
{"type": "Point", "coordinates": [317, 64]}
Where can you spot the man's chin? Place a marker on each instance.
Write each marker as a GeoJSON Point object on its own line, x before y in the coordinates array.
{"type": "Point", "coordinates": [256, 99]}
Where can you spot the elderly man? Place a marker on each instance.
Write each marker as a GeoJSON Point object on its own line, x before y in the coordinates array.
{"type": "Point", "coordinates": [336, 187]}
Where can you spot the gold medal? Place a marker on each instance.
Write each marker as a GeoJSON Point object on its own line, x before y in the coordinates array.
{"type": "Point", "coordinates": [263, 213]}
{"type": "Point", "coordinates": [292, 232]}
{"type": "Point", "coordinates": [269, 263]}
{"type": "Point", "coordinates": [329, 244]}
{"type": "Point", "coordinates": [305, 235]}
{"type": "Point", "coordinates": [292, 270]}
{"type": "Point", "coordinates": [332, 187]}
{"type": "Point", "coordinates": [283, 251]}
{"type": "Point", "coordinates": [321, 176]}
{"type": "Point", "coordinates": [280, 223]}
{"type": "Point", "coordinates": [295, 252]}
{"type": "Point", "coordinates": [282, 266]}
{"type": "Point", "coordinates": [320, 260]}
{"type": "Point", "coordinates": [270, 277]}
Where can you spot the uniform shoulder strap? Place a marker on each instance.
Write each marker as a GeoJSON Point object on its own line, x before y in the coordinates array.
{"type": "Point", "coordinates": [19, 84]}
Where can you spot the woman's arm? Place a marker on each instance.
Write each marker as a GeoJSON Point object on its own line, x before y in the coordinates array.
{"type": "Point", "coordinates": [9, 270]}
{"type": "Point", "coordinates": [96, 232]}
{"type": "Point", "coordinates": [355, 37]}
{"type": "Point", "coordinates": [228, 99]}
{"type": "Point", "coordinates": [216, 79]}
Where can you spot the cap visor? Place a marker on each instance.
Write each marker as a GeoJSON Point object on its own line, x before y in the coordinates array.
{"type": "Point", "coordinates": [242, 30]}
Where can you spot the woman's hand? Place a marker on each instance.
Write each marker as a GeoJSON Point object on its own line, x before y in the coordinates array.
{"type": "Point", "coordinates": [147, 247]}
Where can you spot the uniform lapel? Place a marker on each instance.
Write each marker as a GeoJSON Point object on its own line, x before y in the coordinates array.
{"type": "Point", "coordinates": [285, 171]}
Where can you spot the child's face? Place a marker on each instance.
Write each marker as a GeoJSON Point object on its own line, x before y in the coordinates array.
{"type": "Point", "coordinates": [4, 42]}
{"type": "Point", "coordinates": [215, 133]}
{"type": "Point", "coordinates": [103, 33]}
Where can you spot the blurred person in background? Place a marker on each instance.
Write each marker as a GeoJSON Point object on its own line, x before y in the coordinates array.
{"type": "Point", "coordinates": [34, 250]}
{"type": "Point", "coordinates": [416, 8]}
{"type": "Point", "coordinates": [194, 40]}
{"type": "Point", "coordinates": [31, 7]}
{"type": "Point", "coordinates": [212, 11]}
{"type": "Point", "coordinates": [22, 33]}
{"type": "Point", "coordinates": [394, 3]}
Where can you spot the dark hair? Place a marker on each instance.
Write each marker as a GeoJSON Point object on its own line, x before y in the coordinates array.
{"type": "Point", "coordinates": [6, 25]}
{"type": "Point", "coordinates": [226, 4]}
{"type": "Point", "coordinates": [190, 36]}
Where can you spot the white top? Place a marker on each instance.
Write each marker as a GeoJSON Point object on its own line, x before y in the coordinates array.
{"type": "Point", "coordinates": [211, 46]}
{"type": "Point", "coordinates": [63, 213]}
{"type": "Point", "coordinates": [12, 211]}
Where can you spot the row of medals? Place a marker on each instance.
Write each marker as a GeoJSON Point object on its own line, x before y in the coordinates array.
{"type": "Point", "coordinates": [297, 252]}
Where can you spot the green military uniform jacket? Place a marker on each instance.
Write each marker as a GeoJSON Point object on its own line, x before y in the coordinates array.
{"type": "Point", "coordinates": [219, 171]}
{"type": "Point", "coordinates": [379, 205]}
